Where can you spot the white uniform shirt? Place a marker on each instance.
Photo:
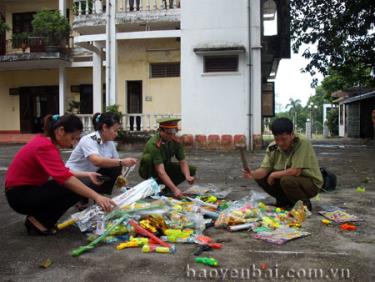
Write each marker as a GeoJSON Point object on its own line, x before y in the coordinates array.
{"type": "Point", "coordinates": [91, 144]}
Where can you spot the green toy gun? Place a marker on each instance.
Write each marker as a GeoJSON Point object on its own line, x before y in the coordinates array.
{"type": "Point", "coordinates": [125, 215]}
{"type": "Point", "coordinates": [207, 261]}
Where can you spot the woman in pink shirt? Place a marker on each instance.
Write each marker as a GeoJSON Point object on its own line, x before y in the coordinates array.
{"type": "Point", "coordinates": [39, 185]}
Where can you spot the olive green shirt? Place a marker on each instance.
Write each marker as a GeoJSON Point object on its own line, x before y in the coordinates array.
{"type": "Point", "coordinates": [301, 155]}
{"type": "Point", "coordinates": [162, 152]}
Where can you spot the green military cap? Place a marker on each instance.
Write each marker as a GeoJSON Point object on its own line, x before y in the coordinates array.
{"type": "Point", "coordinates": [169, 122]}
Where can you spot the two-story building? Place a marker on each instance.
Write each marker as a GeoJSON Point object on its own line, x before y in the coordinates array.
{"type": "Point", "coordinates": [206, 61]}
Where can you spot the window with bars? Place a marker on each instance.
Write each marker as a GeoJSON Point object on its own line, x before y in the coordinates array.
{"type": "Point", "coordinates": [21, 25]}
{"type": "Point", "coordinates": [220, 63]}
{"type": "Point", "coordinates": [159, 70]}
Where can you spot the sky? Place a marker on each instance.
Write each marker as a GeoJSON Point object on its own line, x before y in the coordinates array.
{"type": "Point", "coordinates": [290, 82]}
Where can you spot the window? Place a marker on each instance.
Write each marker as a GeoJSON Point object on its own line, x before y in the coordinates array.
{"type": "Point", "coordinates": [22, 22]}
{"type": "Point", "coordinates": [165, 70]}
{"type": "Point", "coordinates": [221, 63]}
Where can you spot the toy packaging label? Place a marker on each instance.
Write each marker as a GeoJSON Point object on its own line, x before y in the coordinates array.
{"type": "Point", "coordinates": [339, 215]}
{"type": "Point", "coordinates": [281, 235]}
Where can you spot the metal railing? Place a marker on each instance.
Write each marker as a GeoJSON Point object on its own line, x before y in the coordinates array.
{"type": "Point", "coordinates": [89, 7]}
{"type": "Point", "coordinates": [130, 122]}
{"type": "Point", "coordinates": [33, 44]}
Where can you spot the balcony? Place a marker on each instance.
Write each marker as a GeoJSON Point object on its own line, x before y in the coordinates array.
{"type": "Point", "coordinates": [34, 54]}
{"type": "Point", "coordinates": [131, 15]}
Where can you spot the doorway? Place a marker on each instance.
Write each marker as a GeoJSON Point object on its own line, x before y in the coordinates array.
{"type": "Point", "coordinates": [134, 103]}
{"type": "Point", "coordinates": [2, 38]}
{"type": "Point", "coordinates": [35, 104]}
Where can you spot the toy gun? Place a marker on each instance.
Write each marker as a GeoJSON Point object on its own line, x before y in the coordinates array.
{"type": "Point", "coordinates": [174, 234]}
{"type": "Point", "coordinates": [158, 249]}
{"type": "Point", "coordinates": [206, 244]}
{"type": "Point", "coordinates": [133, 243]}
{"type": "Point", "coordinates": [207, 261]}
{"type": "Point", "coordinates": [202, 203]}
{"type": "Point", "coordinates": [93, 244]}
{"type": "Point", "coordinates": [77, 252]}
{"type": "Point", "coordinates": [207, 247]}
{"type": "Point", "coordinates": [141, 231]}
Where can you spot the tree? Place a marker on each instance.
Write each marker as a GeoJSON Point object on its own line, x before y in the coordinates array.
{"type": "Point", "coordinates": [333, 121]}
{"type": "Point", "coordinates": [343, 31]}
{"type": "Point", "coordinates": [346, 78]}
{"type": "Point", "coordinates": [52, 26]}
{"type": "Point", "coordinates": [294, 108]}
{"type": "Point", "coordinates": [3, 26]}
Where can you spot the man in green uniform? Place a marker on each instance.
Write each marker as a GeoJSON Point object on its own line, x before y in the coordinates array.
{"type": "Point", "coordinates": [157, 157]}
{"type": "Point", "coordinates": [290, 170]}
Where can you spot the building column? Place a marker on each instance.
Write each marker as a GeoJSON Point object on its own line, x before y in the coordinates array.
{"type": "Point", "coordinates": [97, 79]}
{"type": "Point", "coordinates": [256, 74]}
{"type": "Point", "coordinates": [62, 89]}
{"type": "Point", "coordinates": [62, 82]}
{"type": "Point", "coordinates": [111, 54]}
{"type": "Point", "coordinates": [62, 7]}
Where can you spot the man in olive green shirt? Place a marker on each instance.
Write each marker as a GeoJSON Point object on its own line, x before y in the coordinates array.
{"type": "Point", "coordinates": [157, 157]}
{"type": "Point", "coordinates": [290, 170]}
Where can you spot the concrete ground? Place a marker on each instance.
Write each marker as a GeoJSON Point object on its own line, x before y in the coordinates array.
{"type": "Point", "coordinates": [328, 254]}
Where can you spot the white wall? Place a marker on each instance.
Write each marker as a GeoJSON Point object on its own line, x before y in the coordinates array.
{"type": "Point", "coordinates": [342, 126]}
{"type": "Point", "coordinates": [213, 104]}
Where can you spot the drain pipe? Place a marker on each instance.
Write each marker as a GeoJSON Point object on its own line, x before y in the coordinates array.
{"type": "Point", "coordinates": [108, 46]}
{"type": "Point", "coordinates": [250, 112]}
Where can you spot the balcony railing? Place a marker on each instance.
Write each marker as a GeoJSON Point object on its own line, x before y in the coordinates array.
{"type": "Point", "coordinates": [89, 7]}
{"type": "Point", "coordinates": [33, 44]}
{"type": "Point", "coordinates": [130, 122]}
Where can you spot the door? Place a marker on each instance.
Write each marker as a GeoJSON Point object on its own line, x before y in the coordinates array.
{"type": "Point", "coordinates": [134, 103]}
{"type": "Point", "coordinates": [86, 99]}
{"type": "Point", "coordinates": [35, 104]}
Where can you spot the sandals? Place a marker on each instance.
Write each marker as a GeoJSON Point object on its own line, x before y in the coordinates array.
{"type": "Point", "coordinates": [31, 229]}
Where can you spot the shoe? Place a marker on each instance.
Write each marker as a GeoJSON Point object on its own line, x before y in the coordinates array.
{"type": "Point", "coordinates": [32, 229]}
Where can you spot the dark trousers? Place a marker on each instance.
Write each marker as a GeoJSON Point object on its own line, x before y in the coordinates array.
{"type": "Point", "coordinates": [47, 203]}
{"type": "Point", "coordinates": [107, 186]}
{"type": "Point", "coordinates": [289, 189]}
{"type": "Point", "coordinates": [147, 170]}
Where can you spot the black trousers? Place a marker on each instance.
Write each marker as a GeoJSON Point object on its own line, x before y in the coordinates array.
{"type": "Point", "coordinates": [107, 186]}
{"type": "Point", "coordinates": [47, 203]}
{"type": "Point", "coordinates": [289, 189]}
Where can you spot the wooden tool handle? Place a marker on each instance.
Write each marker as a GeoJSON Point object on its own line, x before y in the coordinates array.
{"type": "Point", "coordinates": [245, 165]}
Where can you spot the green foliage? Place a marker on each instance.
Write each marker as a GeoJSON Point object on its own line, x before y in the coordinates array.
{"type": "Point", "coordinates": [3, 26]}
{"type": "Point", "coordinates": [333, 121]}
{"type": "Point", "coordinates": [74, 106]}
{"type": "Point", "coordinates": [347, 77]}
{"type": "Point", "coordinates": [52, 26]}
{"type": "Point", "coordinates": [19, 38]}
{"type": "Point", "coordinates": [295, 110]}
{"type": "Point", "coordinates": [343, 31]}
{"type": "Point", "coordinates": [116, 109]}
